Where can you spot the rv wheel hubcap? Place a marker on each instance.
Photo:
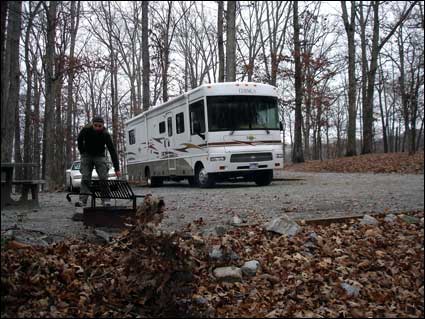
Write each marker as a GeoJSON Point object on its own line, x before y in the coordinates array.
{"type": "Point", "coordinates": [203, 176]}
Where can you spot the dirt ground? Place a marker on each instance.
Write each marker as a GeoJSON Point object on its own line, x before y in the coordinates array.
{"type": "Point", "coordinates": [299, 195]}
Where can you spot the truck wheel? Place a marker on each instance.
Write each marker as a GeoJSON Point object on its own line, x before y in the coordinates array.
{"type": "Point", "coordinates": [264, 178]}
{"type": "Point", "coordinates": [203, 179]}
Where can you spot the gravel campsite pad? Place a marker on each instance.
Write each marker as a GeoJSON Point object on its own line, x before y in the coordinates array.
{"type": "Point", "coordinates": [294, 194]}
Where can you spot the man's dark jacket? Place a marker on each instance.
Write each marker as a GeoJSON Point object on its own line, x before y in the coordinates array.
{"type": "Point", "coordinates": [93, 143]}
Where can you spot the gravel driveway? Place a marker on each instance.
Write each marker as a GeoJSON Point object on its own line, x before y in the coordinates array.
{"type": "Point", "coordinates": [299, 195]}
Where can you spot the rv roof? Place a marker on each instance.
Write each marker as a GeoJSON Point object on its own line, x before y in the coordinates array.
{"type": "Point", "coordinates": [216, 89]}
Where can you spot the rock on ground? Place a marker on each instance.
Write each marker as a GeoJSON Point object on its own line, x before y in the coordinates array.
{"type": "Point", "coordinates": [283, 226]}
{"type": "Point", "coordinates": [229, 274]}
{"type": "Point", "coordinates": [250, 268]}
{"type": "Point", "coordinates": [369, 220]}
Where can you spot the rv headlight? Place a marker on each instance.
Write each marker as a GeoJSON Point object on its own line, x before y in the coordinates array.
{"type": "Point", "coordinates": [217, 158]}
{"type": "Point", "coordinates": [279, 155]}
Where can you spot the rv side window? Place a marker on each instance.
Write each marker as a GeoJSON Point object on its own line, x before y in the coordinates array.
{"type": "Point", "coordinates": [197, 117]}
{"type": "Point", "coordinates": [180, 123]}
{"type": "Point", "coordinates": [131, 137]}
{"type": "Point", "coordinates": [170, 126]}
{"type": "Point", "coordinates": [162, 127]}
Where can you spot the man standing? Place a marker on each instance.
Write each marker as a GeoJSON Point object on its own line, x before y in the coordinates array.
{"type": "Point", "coordinates": [91, 144]}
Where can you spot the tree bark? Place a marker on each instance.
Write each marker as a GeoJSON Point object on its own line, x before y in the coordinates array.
{"type": "Point", "coordinates": [145, 55]}
{"type": "Point", "coordinates": [75, 13]}
{"type": "Point", "coordinates": [350, 29]}
{"type": "Point", "coordinates": [49, 136]}
{"type": "Point", "coordinates": [297, 154]}
{"type": "Point", "coordinates": [231, 42]}
{"type": "Point", "coordinates": [10, 80]}
{"type": "Point", "coordinates": [220, 41]}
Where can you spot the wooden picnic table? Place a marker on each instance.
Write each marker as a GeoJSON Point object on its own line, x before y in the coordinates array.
{"type": "Point", "coordinates": [29, 184]}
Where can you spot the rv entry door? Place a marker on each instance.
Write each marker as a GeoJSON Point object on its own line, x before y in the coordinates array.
{"type": "Point", "coordinates": [169, 144]}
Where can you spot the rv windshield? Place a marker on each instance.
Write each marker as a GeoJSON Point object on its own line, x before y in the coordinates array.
{"type": "Point", "coordinates": [233, 113]}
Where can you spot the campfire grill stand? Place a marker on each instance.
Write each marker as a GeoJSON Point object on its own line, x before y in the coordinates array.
{"type": "Point", "coordinates": [108, 216]}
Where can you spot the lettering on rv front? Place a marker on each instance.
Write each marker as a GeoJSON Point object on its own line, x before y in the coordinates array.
{"type": "Point", "coordinates": [245, 91]}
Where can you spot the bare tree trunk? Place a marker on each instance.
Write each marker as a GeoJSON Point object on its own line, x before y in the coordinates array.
{"type": "Point", "coordinates": [17, 145]}
{"type": "Point", "coordinates": [75, 13]}
{"type": "Point", "coordinates": [350, 29]}
{"type": "Point", "coordinates": [49, 137]}
{"type": "Point", "coordinates": [297, 154]}
{"type": "Point", "coordinates": [220, 41]}
{"type": "Point", "coordinates": [418, 142]}
{"type": "Point", "coordinates": [36, 123]}
{"type": "Point", "coordinates": [3, 16]}
{"type": "Point", "coordinates": [231, 42]}
{"type": "Point", "coordinates": [381, 107]}
{"type": "Point", "coordinates": [10, 80]}
{"type": "Point", "coordinates": [28, 142]}
{"type": "Point", "coordinates": [145, 55]}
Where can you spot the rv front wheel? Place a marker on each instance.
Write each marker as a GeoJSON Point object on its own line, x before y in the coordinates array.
{"type": "Point", "coordinates": [203, 179]}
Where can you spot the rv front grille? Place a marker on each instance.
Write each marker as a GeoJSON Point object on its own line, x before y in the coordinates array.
{"type": "Point", "coordinates": [251, 157]}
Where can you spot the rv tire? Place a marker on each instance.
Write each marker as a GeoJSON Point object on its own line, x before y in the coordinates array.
{"type": "Point", "coordinates": [153, 181]}
{"type": "Point", "coordinates": [264, 178]}
{"type": "Point", "coordinates": [202, 178]}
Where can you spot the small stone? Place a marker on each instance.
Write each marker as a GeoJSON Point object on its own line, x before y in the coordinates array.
{"type": "Point", "coordinates": [228, 274]}
{"type": "Point", "coordinates": [351, 290]}
{"type": "Point", "coordinates": [220, 230]}
{"type": "Point", "coordinates": [390, 218]}
{"type": "Point", "coordinates": [250, 268]}
{"type": "Point", "coordinates": [421, 291]}
{"type": "Point", "coordinates": [216, 252]}
{"type": "Point", "coordinates": [236, 221]}
{"type": "Point", "coordinates": [283, 226]}
{"type": "Point", "coordinates": [410, 219]}
{"type": "Point", "coordinates": [10, 234]}
{"type": "Point", "coordinates": [312, 236]}
{"type": "Point", "coordinates": [251, 234]}
{"type": "Point", "coordinates": [369, 220]}
{"type": "Point", "coordinates": [200, 300]}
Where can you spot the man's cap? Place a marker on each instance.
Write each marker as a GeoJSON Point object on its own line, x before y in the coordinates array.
{"type": "Point", "coordinates": [98, 118]}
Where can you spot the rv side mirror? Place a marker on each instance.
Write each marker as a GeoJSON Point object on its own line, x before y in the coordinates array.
{"type": "Point", "coordinates": [281, 125]}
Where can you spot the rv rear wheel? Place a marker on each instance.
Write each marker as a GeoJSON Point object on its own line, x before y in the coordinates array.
{"type": "Point", "coordinates": [152, 180]}
{"type": "Point", "coordinates": [264, 178]}
{"type": "Point", "coordinates": [202, 178]}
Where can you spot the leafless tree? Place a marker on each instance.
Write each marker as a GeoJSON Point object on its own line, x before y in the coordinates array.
{"type": "Point", "coordinates": [297, 154]}
{"type": "Point", "coordinates": [231, 41]}
{"type": "Point", "coordinates": [350, 28]}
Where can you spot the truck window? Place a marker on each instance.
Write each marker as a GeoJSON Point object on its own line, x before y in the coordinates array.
{"type": "Point", "coordinates": [131, 137]}
{"type": "Point", "coordinates": [162, 127]}
{"type": "Point", "coordinates": [170, 126]}
{"type": "Point", "coordinates": [180, 123]}
{"type": "Point", "coordinates": [197, 117]}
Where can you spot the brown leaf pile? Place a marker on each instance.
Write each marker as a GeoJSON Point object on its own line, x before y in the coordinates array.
{"type": "Point", "coordinates": [298, 279]}
{"type": "Point", "coordinates": [146, 273]}
{"type": "Point", "coordinates": [370, 163]}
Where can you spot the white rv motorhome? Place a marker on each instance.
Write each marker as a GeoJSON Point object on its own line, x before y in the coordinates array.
{"type": "Point", "coordinates": [215, 132]}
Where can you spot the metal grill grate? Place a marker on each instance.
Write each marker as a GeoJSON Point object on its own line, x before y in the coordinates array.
{"type": "Point", "coordinates": [251, 157]}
